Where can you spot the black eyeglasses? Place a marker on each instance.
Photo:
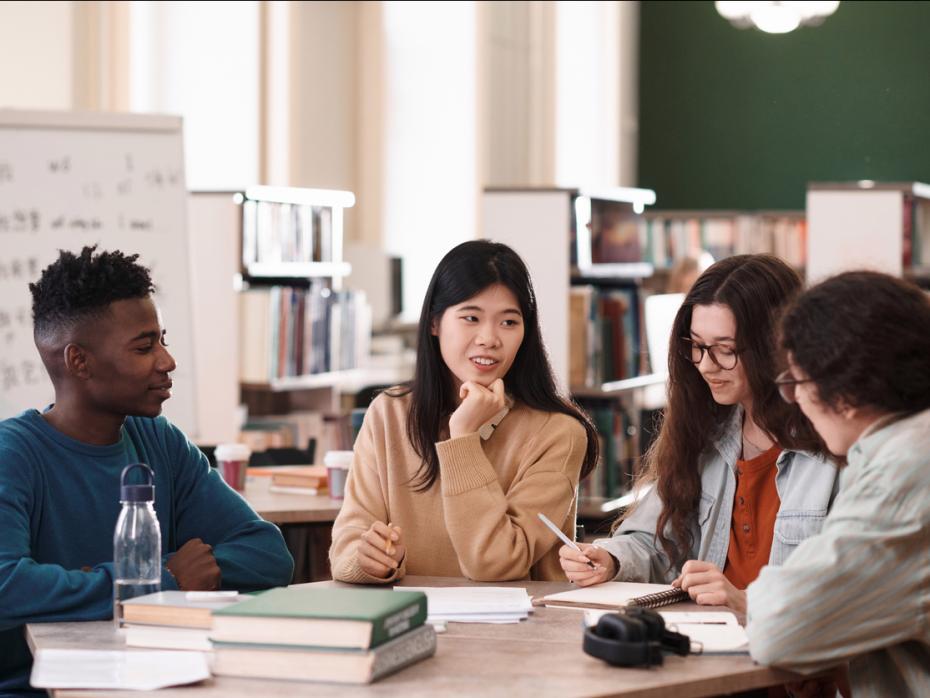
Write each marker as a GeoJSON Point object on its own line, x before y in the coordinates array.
{"type": "Point", "coordinates": [786, 385]}
{"type": "Point", "coordinates": [725, 357]}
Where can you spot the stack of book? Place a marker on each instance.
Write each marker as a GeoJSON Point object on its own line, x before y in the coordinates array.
{"type": "Point", "coordinates": [178, 620]}
{"type": "Point", "coordinates": [311, 634]}
{"type": "Point", "coordinates": [309, 479]}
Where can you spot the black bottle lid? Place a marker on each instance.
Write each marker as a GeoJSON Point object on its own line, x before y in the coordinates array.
{"type": "Point", "coordinates": [137, 493]}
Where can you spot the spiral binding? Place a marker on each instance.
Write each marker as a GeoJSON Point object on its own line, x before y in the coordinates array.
{"type": "Point", "coordinates": [661, 598]}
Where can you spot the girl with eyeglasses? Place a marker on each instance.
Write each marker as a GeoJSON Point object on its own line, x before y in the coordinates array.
{"type": "Point", "coordinates": [450, 471]}
{"type": "Point", "coordinates": [859, 368]}
{"type": "Point", "coordinates": [735, 479]}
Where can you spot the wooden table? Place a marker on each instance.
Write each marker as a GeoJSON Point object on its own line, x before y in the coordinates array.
{"type": "Point", "coordinates": [539, 657]}
{"type": "Point", "coordinates": [280, 508]}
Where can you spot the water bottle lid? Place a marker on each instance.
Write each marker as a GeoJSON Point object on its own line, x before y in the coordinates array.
{"type": "Point", "coordinates": [137, 493]}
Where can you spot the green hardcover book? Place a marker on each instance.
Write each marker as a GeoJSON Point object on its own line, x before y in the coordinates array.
{"type": "Point", "coordinates": [345, 618]}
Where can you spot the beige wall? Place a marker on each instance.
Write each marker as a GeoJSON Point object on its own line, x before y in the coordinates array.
{"type": "Point", "coordinates": [36, 45]}
{"type": "Point", "coordinates": [324, 112]}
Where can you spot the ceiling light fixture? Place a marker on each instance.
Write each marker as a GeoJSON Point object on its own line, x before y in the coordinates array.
{"type": "Point", "coordinates": [776, 17]}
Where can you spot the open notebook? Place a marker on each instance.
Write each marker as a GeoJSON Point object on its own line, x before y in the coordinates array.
{"type": "Point", "coordinates": [615, 595]}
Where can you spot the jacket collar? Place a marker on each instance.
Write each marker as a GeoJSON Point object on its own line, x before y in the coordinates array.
{"type": "Point", "coordinates": [729, 442]}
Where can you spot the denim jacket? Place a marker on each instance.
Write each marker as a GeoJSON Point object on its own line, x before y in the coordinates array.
{"type": "Point", "coordinates": [806, 486]}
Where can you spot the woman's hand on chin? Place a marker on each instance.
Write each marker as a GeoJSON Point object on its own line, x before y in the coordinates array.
{"type": "Point", "coordinates": [479, 404]}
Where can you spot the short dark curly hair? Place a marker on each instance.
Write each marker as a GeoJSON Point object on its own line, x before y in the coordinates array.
{"type": "Point", "coordinates": [80, 287]}
{"type": "Point", "coordinates": [864, 339]}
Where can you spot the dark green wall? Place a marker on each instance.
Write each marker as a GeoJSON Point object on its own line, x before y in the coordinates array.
{"type": "Point", "coordinates": [736, 118]}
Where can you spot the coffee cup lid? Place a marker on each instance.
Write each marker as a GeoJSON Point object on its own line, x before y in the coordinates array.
{"type": "Point", "coordinates": [232, 452]}
{"type": "Point", "coordinates": [338, 459]}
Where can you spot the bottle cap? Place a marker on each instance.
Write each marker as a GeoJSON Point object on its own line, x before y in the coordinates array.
{"type": "Point", "coordinates": [137, 493]}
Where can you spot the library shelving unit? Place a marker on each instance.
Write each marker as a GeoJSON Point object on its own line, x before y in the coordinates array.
{"type": "Point", "coordinates": [884, 226]}
{"type": "Point", "coordinates": [304, 338]}
{"type": "Point", "coordinates": [583, 252]}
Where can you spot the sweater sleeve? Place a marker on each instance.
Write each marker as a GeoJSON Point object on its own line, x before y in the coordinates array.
{"type": "Point", "coordinates": [496, 534]}
{"type": "Point", "coordinates": [634, 544]}
{"type": "Point", "coordinates": [364, 503]}
{"type": "Point", "coordinates": [250, 552]}
{"type": "Point", "coordinates": [42, 592]}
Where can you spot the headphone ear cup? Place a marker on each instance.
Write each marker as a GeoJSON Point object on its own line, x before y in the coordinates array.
{"type": "Point", "coordinates": [621, 641]}
{"type": "Point", "coordinates": [653, 623]}
{"type": "Point", "coordinates": [657, 632]}
{"type": "Point", "coordinates": [617, 626]}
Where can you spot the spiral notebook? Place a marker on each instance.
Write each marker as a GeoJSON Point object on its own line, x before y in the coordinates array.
{"type": "Point", "coordinates": [614, 595]}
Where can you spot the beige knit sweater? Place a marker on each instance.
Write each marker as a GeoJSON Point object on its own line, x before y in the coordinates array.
{"type": "Point", "coordinates": [479, 520]}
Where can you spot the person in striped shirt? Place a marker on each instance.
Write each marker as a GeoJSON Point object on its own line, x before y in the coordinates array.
{"type": "Point", "coordinates": [859, 591]}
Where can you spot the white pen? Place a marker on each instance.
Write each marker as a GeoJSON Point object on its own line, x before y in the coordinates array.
{"type": "Point", "coordinates": [565, 539]}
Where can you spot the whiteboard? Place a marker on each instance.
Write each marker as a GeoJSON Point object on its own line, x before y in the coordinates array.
{"type": "Point", "coordinates": [70, 179]}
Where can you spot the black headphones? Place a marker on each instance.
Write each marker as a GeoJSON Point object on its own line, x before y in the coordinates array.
{"type": "Point", "coordinates": [634, 637]}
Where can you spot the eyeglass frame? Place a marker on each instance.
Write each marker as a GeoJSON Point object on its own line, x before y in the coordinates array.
{"type": "Point", "coordinates": [783, 383]}
{"type": "Point", "coordinates": [708, 349]}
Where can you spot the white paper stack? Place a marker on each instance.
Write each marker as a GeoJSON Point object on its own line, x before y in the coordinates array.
{"type": "Point", "coordinates": [116, 669]}
{"type": "Point", "coordinates": [475, 604]}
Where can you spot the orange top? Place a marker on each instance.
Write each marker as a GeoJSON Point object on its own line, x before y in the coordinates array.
{"type": "Point", "coordinates": [753, 526]}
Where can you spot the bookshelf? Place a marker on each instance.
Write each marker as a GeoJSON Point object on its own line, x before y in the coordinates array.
{"type": "Point", "coordinates": [883, 226]}
{"type": "Point", "coordinates": [583, 251]}
{"type": "Point", "coordinates": [304, 337]}
{"type": "Point", "coordinates": [299, 329]}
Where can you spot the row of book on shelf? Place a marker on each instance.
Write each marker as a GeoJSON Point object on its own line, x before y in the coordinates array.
{"type": "Point", "coordinates": [275, 232]}
{"type": "Point", "coordinates": [606, 336]}
{"type": "Point", "coordinates": [289, 331]}
{"type": "Point", "coordinates": [618, 235]}
{"type": "Point", "coordinates": [619, 450]}
{"type": "Point", "coordinates": [353, 636]}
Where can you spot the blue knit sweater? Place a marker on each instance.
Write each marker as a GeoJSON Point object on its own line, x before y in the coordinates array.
{"type": "Point", "coordinates": [59, 501]}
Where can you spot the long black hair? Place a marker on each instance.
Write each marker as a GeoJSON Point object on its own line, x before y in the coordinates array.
{"type": "Point", "coordinates": [463, 273]}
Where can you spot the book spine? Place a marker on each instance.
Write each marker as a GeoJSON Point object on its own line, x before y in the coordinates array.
{"type": "Point", "coordinates": [389, 627]}
{"type": "Point", "coordinates": [420, 644]}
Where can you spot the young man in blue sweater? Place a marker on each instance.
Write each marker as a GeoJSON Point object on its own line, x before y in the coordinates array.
{"type": "Point", "coordinates": [100, 337]}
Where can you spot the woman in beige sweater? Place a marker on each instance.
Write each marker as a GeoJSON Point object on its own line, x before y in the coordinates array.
{"type": "Point", "coordinates": [450, 471]}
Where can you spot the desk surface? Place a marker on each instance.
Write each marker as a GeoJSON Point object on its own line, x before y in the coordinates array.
{"type": "Point", "coordinates": [538, 657]}
{"type": "Point", "coordinates": [280, 508]}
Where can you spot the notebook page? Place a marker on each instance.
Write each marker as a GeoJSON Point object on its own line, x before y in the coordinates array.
{"type": "Point", "coordinates": [612, 594]}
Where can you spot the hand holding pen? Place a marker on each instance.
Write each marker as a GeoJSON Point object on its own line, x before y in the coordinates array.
{"type": "Point", "coordinates": [381, 549]}
{"type": "Point", "coordinates": [582, 563]}
{"type": "Point", "coordinates": [577, 564]}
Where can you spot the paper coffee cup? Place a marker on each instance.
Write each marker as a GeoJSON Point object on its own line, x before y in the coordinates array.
{"type": "Point", "coordinates": [232, 460]}
{"type": "Point", "coordinates": [337, 471]}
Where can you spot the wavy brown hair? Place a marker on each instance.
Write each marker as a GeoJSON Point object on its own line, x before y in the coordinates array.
{"type": "Point", "coordinates": [756, 289]}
